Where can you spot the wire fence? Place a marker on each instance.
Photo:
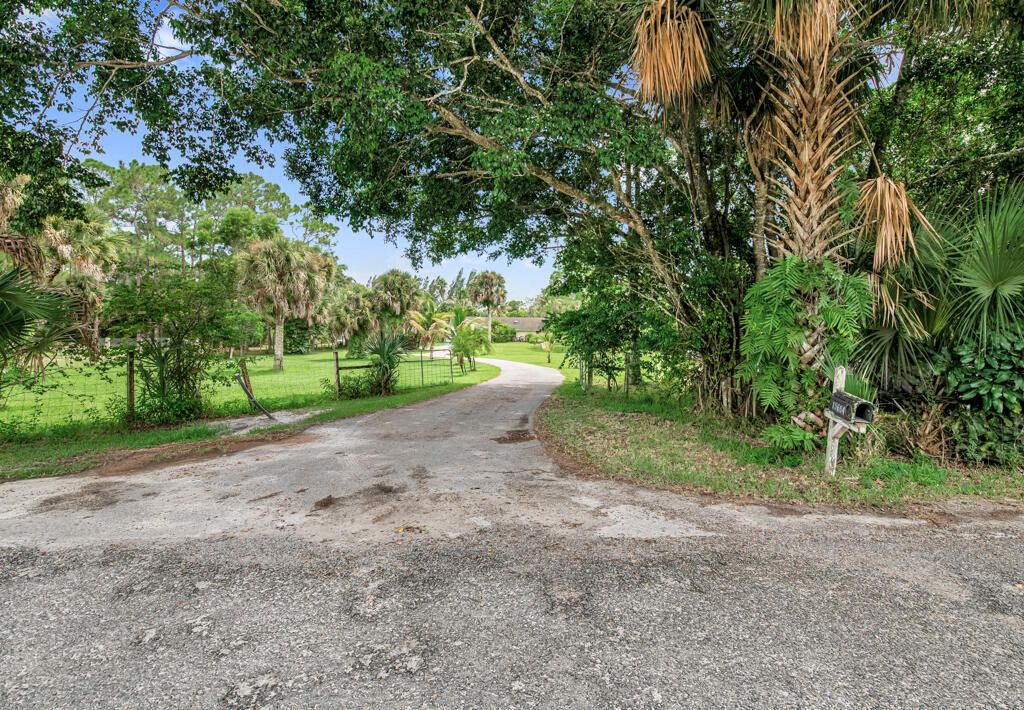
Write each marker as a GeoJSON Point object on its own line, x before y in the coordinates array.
{"type": "Point", "coordinates": [74, 393]}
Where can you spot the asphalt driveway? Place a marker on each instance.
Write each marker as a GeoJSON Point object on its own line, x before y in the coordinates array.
{"type": "Point", "coordinates": [433, 556]}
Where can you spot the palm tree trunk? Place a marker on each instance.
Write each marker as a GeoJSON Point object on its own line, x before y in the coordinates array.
{"type": "Point", "coordinates": [488, 327]}
{"type": "Point", "coordinates": [760, 222]}
{"type": "Point", "coordinates": [279, 342]}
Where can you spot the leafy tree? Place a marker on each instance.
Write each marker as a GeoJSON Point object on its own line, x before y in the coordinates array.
{"type": "Point", "coordinates": [314, 231]}
{"type": "Point", "coordinates": [175, 323]}
{"type": "Point", "coordinates": [286, 279]}
{"type": "Point", "coordinates": [487, 289]}
{"type": "Point", "coordinates": [241, 328]}
{"type": "Point", "coordinates": [254, 193]}
{"type": "Point", "coordinates": [514, 309]}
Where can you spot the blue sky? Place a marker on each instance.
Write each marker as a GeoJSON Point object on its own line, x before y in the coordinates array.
{"type": "Point", "coordinates": [364, 256]}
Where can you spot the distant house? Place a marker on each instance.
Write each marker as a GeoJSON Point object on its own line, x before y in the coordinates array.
{"type": "Point", "coordinates": [523, 325]}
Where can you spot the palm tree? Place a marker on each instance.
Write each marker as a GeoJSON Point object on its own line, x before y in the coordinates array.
{"type": "Point", "coordinates": [395, 293]}
{"type": "Point", "coordinates": [350, 311]}
{"type": "Point", "coordinates": [430, 323]}
{"type": "Point", "coordinates": [487, 289]}
{"type": "Point", "coordinates": [31, 321]}
{"type": "Point", "coordinates": [285, 278]}
{"type": "Point", "coordinates": [814, 63]}
{"type": "Point", "coordinates": [959, 290]}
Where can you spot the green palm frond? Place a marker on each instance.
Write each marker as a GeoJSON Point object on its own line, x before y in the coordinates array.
{"type": "Point", "coordinates": [990, 272]}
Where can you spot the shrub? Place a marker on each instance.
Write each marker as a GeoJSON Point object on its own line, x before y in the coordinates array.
{"type": "Point", "coordinates": [384, 349]}
{"type": "Point", "coordinates": [988, 387]}
{"type": "Point", "coordinates": [501, 333]}
{"type": "Point", "coordinates": [355, 346]}
{"type": "Point", "coordinates": [174, 321]}
{"type": "Point", "coordinates": [352, 386]}
{"type": "Point", "coordinates": [786, 369]}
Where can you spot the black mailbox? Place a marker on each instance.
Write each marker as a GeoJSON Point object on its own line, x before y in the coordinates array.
{"type": "Point", "coordinates": [845, 406]}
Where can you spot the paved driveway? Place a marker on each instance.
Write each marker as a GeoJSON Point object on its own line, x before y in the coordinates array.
{"type": "Point", "coordinates": [433, 556]}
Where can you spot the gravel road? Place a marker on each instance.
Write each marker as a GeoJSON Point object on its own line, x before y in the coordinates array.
{"type": "Point", "coordinates": [433, 556]}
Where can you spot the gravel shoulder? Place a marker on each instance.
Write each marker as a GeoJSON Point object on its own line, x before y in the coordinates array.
{"type": "Point", "coordinates": [435, 556]}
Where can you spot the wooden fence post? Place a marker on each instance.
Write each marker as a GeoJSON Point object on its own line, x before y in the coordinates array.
{"type": "Point", "coordinates": [244, 368]}
{"type": "Point", "coordinates": [337, 376]}
{"type": "Point", "coordinates": [130, 394]}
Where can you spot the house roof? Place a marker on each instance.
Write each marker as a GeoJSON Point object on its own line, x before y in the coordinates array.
{"type": "Point", "coordinates": [523, 325]}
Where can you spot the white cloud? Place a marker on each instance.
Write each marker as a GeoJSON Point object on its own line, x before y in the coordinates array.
{"type": "Point", "coordinates": [167, 43]}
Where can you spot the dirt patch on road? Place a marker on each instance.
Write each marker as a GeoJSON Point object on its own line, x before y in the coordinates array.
{"type": "Point", "coordinates": [93, 496]}
{"type": "Point", "coordinates": [326, 502]}
{"type": "Point", "coordinates": [123, 462]}
{"type": "Point", "coordinates": [515, 436]}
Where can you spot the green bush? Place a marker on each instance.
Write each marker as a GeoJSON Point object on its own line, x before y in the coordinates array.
{"type": "Point", "coordinates": [793, 299]}
{"type": "Point", "coordinates": [501, 333]}
{"type": "Point", "coordinates": [352, 386]}
{"type": "Point", "coordinates": [384, 350]}
{"type": "Point", "coordinates": [988, 387]}
{"type": "Point", "coordinates": [175, 322]}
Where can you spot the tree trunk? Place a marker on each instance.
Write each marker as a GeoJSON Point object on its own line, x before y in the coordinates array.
{"type": "Point", "coordinates": [279, 343]}
{"type": "Point", "coordinates": [489, 324]}
{"type": "Point", "coordinates": [760, 222]}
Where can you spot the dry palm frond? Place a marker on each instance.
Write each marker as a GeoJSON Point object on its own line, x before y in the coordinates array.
{"type": "Point", "coordinates": [12, 194]}
{"type": "Point", "coordinates": [886, 211]}
{"type": "Point", "coordinates": [670, 53]}
{"type": "Point", "coordinates": [805, 27]}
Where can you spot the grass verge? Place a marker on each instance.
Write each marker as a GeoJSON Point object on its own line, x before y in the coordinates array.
{"type": "Point", "coordinates": [79, 449]}
{"type": "Point", "coordinates": [657, 443]}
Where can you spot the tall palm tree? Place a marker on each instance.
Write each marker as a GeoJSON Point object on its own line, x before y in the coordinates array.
{"type": "Point", "coordinates": [815, 62]}
{"type": "Point", "coordinates": [285, 278]}
{"type": "Point", "coordinates": [350, 311]}
{"type": "Point", "coordinates": [395, 293]}
{"type": "Point", "coordinates": [487, 289]}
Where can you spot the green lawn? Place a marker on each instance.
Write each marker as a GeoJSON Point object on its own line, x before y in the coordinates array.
{"type": "Point", "coordinates": [83, 393]}
{"type": "Point", "coordinates": [530, 353]}
{"type": "Point", "coordinates": [80, 448]}
{"type": "Point", "coordinates": [662, 443]}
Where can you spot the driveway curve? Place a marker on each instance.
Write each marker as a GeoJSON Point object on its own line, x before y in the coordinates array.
{"type": "Point", "coordinates": [433, 556]}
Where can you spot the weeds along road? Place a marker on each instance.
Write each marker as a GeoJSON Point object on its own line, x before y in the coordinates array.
{"type": "Point", "coordinates": [434, 556]}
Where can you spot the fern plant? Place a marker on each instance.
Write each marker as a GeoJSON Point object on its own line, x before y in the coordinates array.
{"type": "Point", "coordinates": [799, 317]}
